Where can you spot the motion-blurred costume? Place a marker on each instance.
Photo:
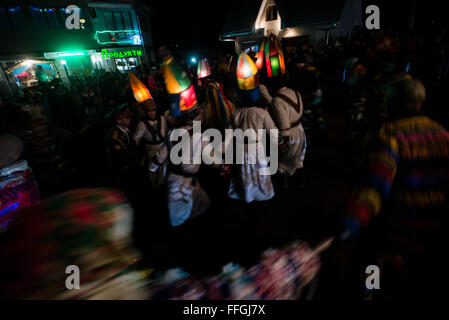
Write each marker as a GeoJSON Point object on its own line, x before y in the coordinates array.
{"type": "Point", "coordinates": [218, 109]}
{"type": "Point", "coordinates": [186, 198]}
{"type": "Point", "coordinates": [407, 189]}
{"type": "Point", "coordinates": [289, 273]}
{"type": "Point", "coordinates": [49, 168]}
{"type": "Point", "coordinates": [86, 228]}
{"type": "Point", "coordinates": [247, 181]}
{"type": "Point", "coordinates": [18, 189]}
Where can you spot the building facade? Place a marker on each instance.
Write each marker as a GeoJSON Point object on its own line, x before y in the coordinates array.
{"type": "Point", "coordinates": [63, 41]}
{"type": "Point", "coordinates": [315, 22]}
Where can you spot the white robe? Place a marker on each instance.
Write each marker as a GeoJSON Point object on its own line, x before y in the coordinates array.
{"type": "Point", "coordinates": [284, 115]}
{"type": "Point", "coordinates": [247, 182]}
{"type": "Point", "coordinates": [142, 132]}
{"type": "Point", "coordinates": [186, 198]}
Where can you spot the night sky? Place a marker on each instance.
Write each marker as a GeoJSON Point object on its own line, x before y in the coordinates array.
{"type": "Point", "coordinates": [195, 25]}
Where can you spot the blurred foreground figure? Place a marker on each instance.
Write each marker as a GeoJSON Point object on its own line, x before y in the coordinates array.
{"type": "Point", "coordinates": [88, 228]}
{"type": "Point", "coordinates": [18, 188]}
{"type": "Point", "coordinates": [407, 188]}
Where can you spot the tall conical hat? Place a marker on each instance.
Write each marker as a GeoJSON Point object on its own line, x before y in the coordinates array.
{"type": "Point", "coordinates": [180, 88]}
{"type": "Point", "coordinates": [248, 78]}
{"type": "Point", "coordinates": [272, 55]}
{"type": "Point", "coordinates": [203, 70]}
{"type": "Point", "coordinates": [140, 91]}
{"type": "Point", "coordinates": [176, 79]}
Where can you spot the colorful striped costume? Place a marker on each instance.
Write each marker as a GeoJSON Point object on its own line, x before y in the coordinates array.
{"type": "Point", "coordinates": [409, 179]}
{"type": "Point", "coordinates": [218, 109]}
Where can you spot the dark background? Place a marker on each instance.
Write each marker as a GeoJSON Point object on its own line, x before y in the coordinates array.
{"type": "Point", "coordinates": [195, 26]}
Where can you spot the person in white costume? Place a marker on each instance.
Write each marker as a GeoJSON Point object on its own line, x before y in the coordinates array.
{"type": "Point", "coordinates": [287, 108]}
{"type": "Point", "coordinates": [248, 183]}
{"type": "Point", "coordinates": [186, 197]}
{"type": "Point", "coordinates": [151, 131]}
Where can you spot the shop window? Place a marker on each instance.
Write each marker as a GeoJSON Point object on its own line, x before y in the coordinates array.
{"type": "Point", "coordinates": [4, 20]}
{"type": "Point", "coordinates": [122, 64]}
{"type": "Point", "coordinates": [45, 18]}
{"type": "Point", "coordinates": [128, 21]}
{"type": "Point", "coordinates": [272, 13]}
{"type": "Point", "coordinates": [39, 20]}
{"type": "Point", "coordinates": [53, 19]}
{"type": "Point", "coordinates": [93, 13]}
{"type": "Point", "coordinates": [16, 15]}
{"type": "Point", "coordinates": [132, 21]}
{"type": "Point", "coordinates": [108, 20]}
{"type": "Point", "coordinates": [119, 22]}
{"type": "Point", "coordinates": [132, 62]}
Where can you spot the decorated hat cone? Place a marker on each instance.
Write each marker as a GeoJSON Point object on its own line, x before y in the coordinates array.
{"type": "Point", "coordinates": [248, 78]}
{"type": "Point", "coordinates": [179, 87]}
{"type": "Point", "coordinates": [141, 93]}
{"type": "Point", "coordinates": [272, 56]}
{"type": "Point", "coordinates": [203, 70]}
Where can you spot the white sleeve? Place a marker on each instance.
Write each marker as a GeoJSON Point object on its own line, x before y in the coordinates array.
{"type": "Point", "coordinates": [281, 115]}
{"type": "Point", "coordinates": [139, 132]}
{"type": "Point", "coordinates": [159, 158]}
{"type": "Point", "coordinates": [265, 94]}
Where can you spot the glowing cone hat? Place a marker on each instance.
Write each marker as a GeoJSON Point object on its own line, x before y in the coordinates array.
{"type": "Point", "coordinates": [140, 91]}
{"type": "Point", "coordinates": [271, 53]}
{"type": "Point", "coordinates": [180, 88]}
{"type": "Point", "coordinates": [203, 70]}
{"type": "Point", "coordinates": [248, 78]}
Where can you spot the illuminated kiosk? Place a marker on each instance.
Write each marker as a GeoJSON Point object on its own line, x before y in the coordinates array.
{"type": "Point", "coordinates": [74, 63]}
{"type": "Point", "coordinates": [26, 73]}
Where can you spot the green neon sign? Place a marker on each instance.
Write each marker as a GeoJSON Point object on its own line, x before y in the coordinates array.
{"type": "Point", "coordinates": [105, 54]}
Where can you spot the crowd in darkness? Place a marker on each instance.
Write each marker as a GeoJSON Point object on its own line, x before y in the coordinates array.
{"type": "Point", "coordinates": [65, 127]}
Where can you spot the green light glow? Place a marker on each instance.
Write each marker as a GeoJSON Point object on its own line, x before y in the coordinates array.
{"type": "Point", "coordinates": [69, 54]}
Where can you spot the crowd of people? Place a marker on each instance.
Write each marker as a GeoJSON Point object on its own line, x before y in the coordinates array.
{"type": "Point", "coordinates": [113, 130]}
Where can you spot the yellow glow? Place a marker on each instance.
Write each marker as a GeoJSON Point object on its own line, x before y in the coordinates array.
{"type": "Point", "coordinates": [290, 33]}
{"type": "Point", "coordinates": [29, 62]}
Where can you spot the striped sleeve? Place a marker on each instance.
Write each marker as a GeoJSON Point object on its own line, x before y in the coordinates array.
{"type": "Point", "coordinates": [382, 168]}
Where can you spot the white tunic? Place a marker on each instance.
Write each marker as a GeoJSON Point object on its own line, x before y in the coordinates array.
{"type": "Point", "coordinates": [142, 132]}
{"type": "Point", "coordinates": [186, 198]}
{"type": "Point", "coordinates": [284, 116]}
{"type": "Point", "coordinates": [247, 182]}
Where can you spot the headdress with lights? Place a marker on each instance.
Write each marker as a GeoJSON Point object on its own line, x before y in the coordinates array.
{"type": "Point", "coordinates": [141, 93]}
{"type": "Point", "coordinates": [248, 78]}
{"type": "Point", "coordinates": [272, 56]}
{"type": "Point", "coordinates": [179, 87]}
{"type": "Point", "coordinates": [203, 70]}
